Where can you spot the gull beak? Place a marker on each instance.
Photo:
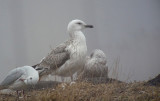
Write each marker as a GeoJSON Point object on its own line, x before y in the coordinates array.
{"type": "Point", "coordinates": [88, 26]}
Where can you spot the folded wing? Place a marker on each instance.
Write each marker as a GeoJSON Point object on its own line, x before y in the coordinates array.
{"type": "Point", "coordinates": [12, 77]}
{"type": "Point", "coordinates": [55, 58]}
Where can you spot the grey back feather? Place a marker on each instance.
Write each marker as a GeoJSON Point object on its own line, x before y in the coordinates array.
{"type": "Point", "coordinates": [12, 76]}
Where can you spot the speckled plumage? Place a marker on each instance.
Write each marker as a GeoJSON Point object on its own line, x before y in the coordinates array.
{"type": "Point", "coordinates": [95, 66]}
{"type": "Point", "coordinates": [69, 56]}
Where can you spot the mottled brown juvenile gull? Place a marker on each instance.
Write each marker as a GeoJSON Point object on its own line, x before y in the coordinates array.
{"type": "Point", "coordinates": [95, 68]}
{"type": "Point", "coordinates": [69, 56]}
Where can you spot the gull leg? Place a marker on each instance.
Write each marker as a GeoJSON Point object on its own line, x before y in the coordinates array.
{"type": "Point", "coordinates": [62, 79]}
{"type": "Point", "coordinates": [55, 78]}
{"type": "Point", "coordinates": [72, 81]}
{"type": "Point", "coordinates": [17, 98]}
{"type": "Point", "coordinates": [71, 78]}
{"type": "Point", "coordinates": [23, 95]}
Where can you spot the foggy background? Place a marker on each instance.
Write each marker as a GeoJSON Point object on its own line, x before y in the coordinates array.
{"type": "Point", "coordinates": [128, 31]}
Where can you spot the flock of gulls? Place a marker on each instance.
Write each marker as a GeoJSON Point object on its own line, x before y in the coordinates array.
{"type": "Point", "coordinates": [66, 59]}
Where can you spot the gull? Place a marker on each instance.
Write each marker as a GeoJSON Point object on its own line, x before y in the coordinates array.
{"type": "Point", "coordinates": [19, 78]}
{"type": "Point", "coordinates": [95, 67]}
{"type": "Point", "coordinates": [69, 56]}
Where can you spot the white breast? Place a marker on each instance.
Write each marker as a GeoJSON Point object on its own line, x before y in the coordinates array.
{"type": "Point", "coordinates": [78, 51]}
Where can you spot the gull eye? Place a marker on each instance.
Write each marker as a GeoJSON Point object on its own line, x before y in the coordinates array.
{"type": "Point", "coordinates": [79, 23]}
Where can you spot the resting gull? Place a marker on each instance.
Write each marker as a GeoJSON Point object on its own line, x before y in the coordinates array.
{"type": "Point", "coordinates": [95, 67]}
{"type": "Point", "coordinates": [69, 56]}
{"type": "Point", "coordinates": [19, 78]}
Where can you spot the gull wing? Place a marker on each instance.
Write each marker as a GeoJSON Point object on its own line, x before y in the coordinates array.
{"type": "Point", "coordinates": [56, 57]}
{"type": "Point", "coordinates": [12, 76]}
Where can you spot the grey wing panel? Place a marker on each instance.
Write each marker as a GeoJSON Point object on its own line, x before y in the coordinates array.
{"type": "Point", "coordinates": [11, 77]}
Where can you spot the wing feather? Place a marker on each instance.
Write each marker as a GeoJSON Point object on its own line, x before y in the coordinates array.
{"type": "Point", "coordinates": [12, 76]}
{"type": "Point", "coordinates": [56, 57]}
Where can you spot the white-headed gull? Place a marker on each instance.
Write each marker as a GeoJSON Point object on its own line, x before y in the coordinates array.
{"type": "Point", "coordinates": [19, 78]}
{"type": "Point", "coordinates": [69, 56]}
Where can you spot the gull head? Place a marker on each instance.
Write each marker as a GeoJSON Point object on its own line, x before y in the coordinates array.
{"type": "Point", "coordinates": [77, 25]}
{"type": "Point", "coordinates": [99, 54]}
{"type": "Point", "coordinates": [30, 80]}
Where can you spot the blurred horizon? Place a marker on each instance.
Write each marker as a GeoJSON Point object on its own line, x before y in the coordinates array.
{"type": "Point", "coordinates": [127, 30]}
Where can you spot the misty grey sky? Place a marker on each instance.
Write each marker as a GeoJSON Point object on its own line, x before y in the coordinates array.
{"type": "Point", "coordinates": [125, 29]}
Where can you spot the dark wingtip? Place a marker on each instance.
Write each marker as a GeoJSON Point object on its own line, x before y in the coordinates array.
{"type": "Point", "coordinates": [34, 66]}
